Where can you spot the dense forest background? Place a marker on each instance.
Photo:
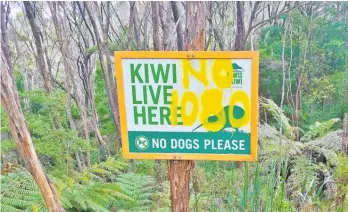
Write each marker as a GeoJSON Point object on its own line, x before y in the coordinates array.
{"type": "Point", "coordinates": [59, 57]}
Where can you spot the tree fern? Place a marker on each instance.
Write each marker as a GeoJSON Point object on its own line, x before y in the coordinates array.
{"type": "Point", "coordinates": [278, 114]}
{"type": "Point", "coordinates": [104, 172]}
{"type": "Point", "coordinates": [161, 198]}
{"type": "Point", "coordinates": [303, 178]}
{"type": "Point", "coordinates": [19, 192]}
{"type": "Point", "coordinates": [319, 129]}
{"type": "Point", "coordinates": [91, 190]}
{"type": "Point", "coordinates": [93, 197]}
{"type": "Point", "coordinates": [140, 188]}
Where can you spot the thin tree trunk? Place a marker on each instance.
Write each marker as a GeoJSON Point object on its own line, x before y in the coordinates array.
{"type": "Point", "coordinates": [111, 76]}
{"type": "Point", "coordinates": [167, 31]}
{"type": "Point", "coordinates": [213, 29]}
{"type": "Point", "coordinates": [40, 55]}
{"type": "Point", "coordinates": [179, 27]}
{"type": "Point", "coordinates": [131, 25]}
{"type": "Point", "coordinates": [155, 26]}
{"type": "Point", "coordinates": [283, 82]}
{"type": "Point", "coordinates": [341, 193]}
{"type": "Point", "coordinates": [84, 120]}
{"type": "Point", "coordinates": [22, 138]}
{"type": "Point", "coordinates": [41, 60]}
{"type": "Point", "coordinates": [5, 11]}
{"type": "Point", "coordinates": [299, 78]}
{"type": "Point", "coordinates": [137, 26]}
{"type": "Point", "coordinates": [104, 72]}
{"type": "Point", "coordinates": [240, 32]}
{"type": "Point", "coordinates": [156, 47]}
{"type": "Point", "coordinates": [345, 133]}
{"type": "Point", "coordinates": [179, 172]}
{"type": "Point", "coordinates": [67, 70]}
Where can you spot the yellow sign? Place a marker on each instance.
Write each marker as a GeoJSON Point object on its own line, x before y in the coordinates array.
{"type": "Point", "coordinates": [188, 105]}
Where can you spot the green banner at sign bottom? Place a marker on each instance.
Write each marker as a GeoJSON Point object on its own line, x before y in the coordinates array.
{"type": "Point", "coordinates": [189, 142]}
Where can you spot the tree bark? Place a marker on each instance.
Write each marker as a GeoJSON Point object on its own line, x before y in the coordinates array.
{"type": "Point", "coordinates": [102, 66]}
{"type": "Point", "coordinates": [41, 60]}
{"type": "Point", "coordinates": [179, 172]}
{"type": "Point", "coordinates": [130, 25]}
{"type": "Point", "coordinates": [214, 29]}
{"type": "Point", "coordinates": [155, 26]}
{"type": "Point", "coordinates": [137, 26]}
{"type": "Point", "coordinates": [156, 47]}
{"type": "Point", "coordinates": [5, 10]}
{"type": "Point", "coordinates": [67, 69]}
{"type": "Point", "coordinates": [167, 30]}
{"type": "Point", "coordinates": [345, 133]}
{"type": "Point", "coordinates": [179, 27]}
{"type": "Point", "coordinates": [240, 32]}
{"type": "Point", "coordinates": [22, 138]}
{"type": "Point", "coordinates": [111, 77]}
{"type": "Point", "coordinates": [107, 73]}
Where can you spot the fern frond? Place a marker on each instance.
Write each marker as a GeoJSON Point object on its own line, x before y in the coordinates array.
{"type": "Point", "coordinates": [19, 192]}
{"type": "Point", "coordinates": [278, 114]}
{"type": "Point", "coordinates": [319, 129]}
{"type": "Point", "coordinates": [304, 177]}
{"type": "Point", "coordinates": [140, 188]}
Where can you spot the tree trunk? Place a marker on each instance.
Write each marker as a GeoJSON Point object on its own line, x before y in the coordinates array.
{"type": "Point", "coordinates": [240, 32]}
{"type": "Point", "coordinates": [67, 70]}
{"type": "Point", "coordinates": [5, 11]}
{"type": "Point", "coordinates": [41, 60]}
{"type": "Point", "coordinates": [179, 172]}
{"type": "Point", "coordinates": [341, 193]}
{"type": "Point", "coordinates": [107, 73]}
{"type": "Point", "coordinates": [156, 47]}
{"type": "Point", "coordinates": [130, 25]}
{"type": "Point", "coordinates": [179, 27]}
{"type": "Point", "coordinates": [137, 26]}
{"type": "Point", "coordinates": [167, 29]}
{"type": "Point", "coordinates": [345, 133]}
{"type": "Point", "coordinates": [112, 83]}
{"type": "Point", "coordinates": [155, 26]}
{"type": "Point", "coordinates": [103, 69]}
{"type": "Point", "coordinates": [22, 138]}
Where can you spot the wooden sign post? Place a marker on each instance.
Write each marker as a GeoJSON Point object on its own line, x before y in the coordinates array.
{"type": "Point", "coordinates": [188, 105]}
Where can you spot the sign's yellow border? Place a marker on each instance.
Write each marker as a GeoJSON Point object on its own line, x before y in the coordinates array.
{"type": "Point", "coordinates": [254, 56]}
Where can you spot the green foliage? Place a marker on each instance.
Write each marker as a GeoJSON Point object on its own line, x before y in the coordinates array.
{"type": "Point", "coordinates": [341, 172]}
{"type": "Point", "coordinates": [321, 89]}
{"type": "Point", "coordinates": [94, 189]}
{"type": "Point", "coordinates": [319, 129]}
{"type": "Point", "coordinates": [145, 167]}
{"type": "Point", "coordinates": [94, 196]}
{"type": "Point", "coordinates": [19, 192]}
{"type": "Point", "coordinates": [104, 172]}
{"type": "Point", "coordinates": [92, 50]}
{"type": "Point", "coordinates": [341, 175]}
{"type": "Point", "coordinates": [279, 116]}
{"type": "Point", "coordinates": [303, 178]}
{"type": "Point", "coordinates": [5, 125]}
{"type": "Point", "coordinates": [140, 188]}
{"type": "Point", "coordinates": [58, 147]}
{"type": "Point", "coordinates": [101, 99]}
{"type": "Point", "coordinates": [42, 103]}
